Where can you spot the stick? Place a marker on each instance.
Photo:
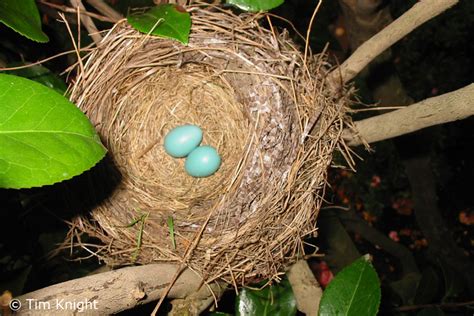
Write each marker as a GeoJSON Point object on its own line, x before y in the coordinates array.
{"type": "Point", "coordinates": [305, 287]}
{"type": "Point", "coordinates": [88, 23]}
{"type": "Point", "coordinates": [106, 10]}
{"type": "Point", "coordinates": [71, 10]}
{"type": "Point", "coordinates": [421, 12]}
{"type": "Point", "coordinates": [113, 291]}
{"type": "Point", "coordinates": [445, 108]}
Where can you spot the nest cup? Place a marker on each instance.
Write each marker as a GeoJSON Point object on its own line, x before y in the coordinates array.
{"type": "Point", "coordinates": [256, 98]}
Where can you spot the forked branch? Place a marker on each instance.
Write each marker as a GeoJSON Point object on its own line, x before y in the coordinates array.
{"type": "Point", "coordinates": [421, 12]}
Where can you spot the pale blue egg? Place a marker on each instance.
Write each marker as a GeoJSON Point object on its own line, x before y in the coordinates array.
{"type": "Point", "coordinates": [182, 140]}
{"type": "Point", "coordinates": [202, 162]}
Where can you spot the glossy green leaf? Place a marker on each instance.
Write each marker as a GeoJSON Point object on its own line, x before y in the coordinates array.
{"type": "Point", "coordinates": [42, 75]}
{"type": "Point", "coordinates": [23, 17]}
{"type": "Point", "coordinates": [354, 291]}
{"type": "Point", "coordinates": [275, 300]}
{"type": "Point", "coordinates": [166, 20]}
{"type": "Point", "coordinates": [255, 5]}
{"type": "Point", "coordinates": [44, 138]}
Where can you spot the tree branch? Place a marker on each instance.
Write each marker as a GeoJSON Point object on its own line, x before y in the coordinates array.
{"type": "Point", "coordinates": [88, 23]}
{"type": "Point", "coordinates": [356, 224]}
{"type": "Point", "coordinates": [105, 9]}
{"type": "Point", "coordinates": [67, 9]}
{"type": "Point", "coordinates": [305, 287]}
{"type": "Point", "coordinates": [112, 291]}
{"type": "Point", "coordinates": [445, 108]}
{"type": "Point", "coordinates": [421, 12]}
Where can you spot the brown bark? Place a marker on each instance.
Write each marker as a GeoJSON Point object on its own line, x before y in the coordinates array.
{"type": "Point", "coordinates": [421, 12]}
{"type": "Point", "coordinates": [112, 291]}
{"type": "Point", "coordinates": [88, 23]}
{"type": "Point", "coordinates": [305, 287]}
{"type": "Point", "coordinates": [105, 9]}
{"type": "Point", "coordinates": [441, 109]}
{"type": "Point", "coordinates": [363, 19]}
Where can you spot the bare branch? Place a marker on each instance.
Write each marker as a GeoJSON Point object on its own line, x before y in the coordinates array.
{"type": "Point", "coordinates": [105, 9]}
{"type": "Point", "coordinates": [445, 108]}
{"type": "Point", "coordinates": [67, 9]}
{"type": "Point", "coordinates": [113, 291]}
{"type": "Point", "coordinates": [305, 287]}
{"type": "Point", "coordinates": [421, 12]}
{"type": "Point", "coordinates": [88, 23]}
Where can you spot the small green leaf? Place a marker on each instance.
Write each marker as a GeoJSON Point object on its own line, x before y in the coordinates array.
{"type": "Point", "coordinates": [139, 236]}
{"type": "Point", "coordinates": [275, 300]}
{"type": "Point", "coordinates": [166, 20]}
{"type": "Point", "coordinates": [23, 17]}
{"type": "Point", "coordinates": [354, 291]}
{"type": "Point", "coordinates": [171, 229]}
{"type": "Point", "coordinates": [255, 5]}
{"type": "Point", "coordinates": [40, 74]}
{"type": "Point", "coordinates": [44, 138]}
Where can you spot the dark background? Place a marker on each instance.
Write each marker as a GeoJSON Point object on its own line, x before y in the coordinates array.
{"type": "Point", "coordinates": [434, 59]}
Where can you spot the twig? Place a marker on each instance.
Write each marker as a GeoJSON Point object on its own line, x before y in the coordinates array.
{"type": "Point", "coordinates": [40, 61]}
{"type": "Point", "coordinates": [88, 23]}
{"type": "Point", "coordinates": [308, 31]}
{"type": "Point", "coordinates": [78, 53]}
{"type": "Point", "coordinates": [67, 9]}
{"type": "Point", "coordinates": [305, 287]}
{"type": "Point", "coordinates": [106, 10]}
{"type": "Point", "coordinates": [357, 225]}
{"type": "Point", "coordinates": [441, 306]}
{"type": "Point", "coordinates": [441, 109]}
{"type": "Point", "coordinates": [379, 108]}
{"type": "Point", "coordinates": [199, 301]}
{"type": "Point", "coordinates": [421, 12]}
{"type": "Point", "coordinates": [114, 291]}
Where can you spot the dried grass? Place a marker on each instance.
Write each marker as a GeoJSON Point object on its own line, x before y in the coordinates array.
{"type": "Point", "coordinates": [253, 95]}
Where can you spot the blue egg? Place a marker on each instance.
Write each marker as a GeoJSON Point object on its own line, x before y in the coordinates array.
{"type": "Point", "coordinates": [202, 162]}
{"type": "Point", "coordinates": [182, 140]}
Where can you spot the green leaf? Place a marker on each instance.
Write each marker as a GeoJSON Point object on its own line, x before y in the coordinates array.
{"type": "Point", "coordinates": [255, 5]}
{"type": "Point", "coordinates": [40, 74]}
{"type": "Point", "coordinates": [354, 291]}
{"type": "Point", "coordinates": [275, 300]}
{"type": "Point", "coordinates": [171, 230]}
{"type": "Point", "coordinates": [166, 20]}
{"type": "Point", "coordinates": [23, 17]}
{"type": "Point", "coordinates": [44, 138]}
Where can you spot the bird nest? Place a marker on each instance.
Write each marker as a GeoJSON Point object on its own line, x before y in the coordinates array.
{"type": "Point", "coordinates": [263, 104]}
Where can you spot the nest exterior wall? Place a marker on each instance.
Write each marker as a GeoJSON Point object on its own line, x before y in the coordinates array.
{"type": "Point", "coordinates": [253, 94]}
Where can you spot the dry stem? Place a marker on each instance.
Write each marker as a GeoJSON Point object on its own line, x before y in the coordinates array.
{"type": "Point", "coordinates": [305, 287]}
{"type": "Point", "coordinates": [88, 23]}
{"type": "Point", "coordinates": [421, 12]}
{"type": "Point", "coordinates": [105, 9]}
{"type": "Point", "coordinates": [445, 108]}
{"type": "Point", "coordinates": [115, 291]}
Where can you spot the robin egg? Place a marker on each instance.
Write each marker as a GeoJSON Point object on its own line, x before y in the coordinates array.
{"type": "Point", "coordinates": [182, 140]}
{"type": "Point", "coordinates": [202, 162]}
